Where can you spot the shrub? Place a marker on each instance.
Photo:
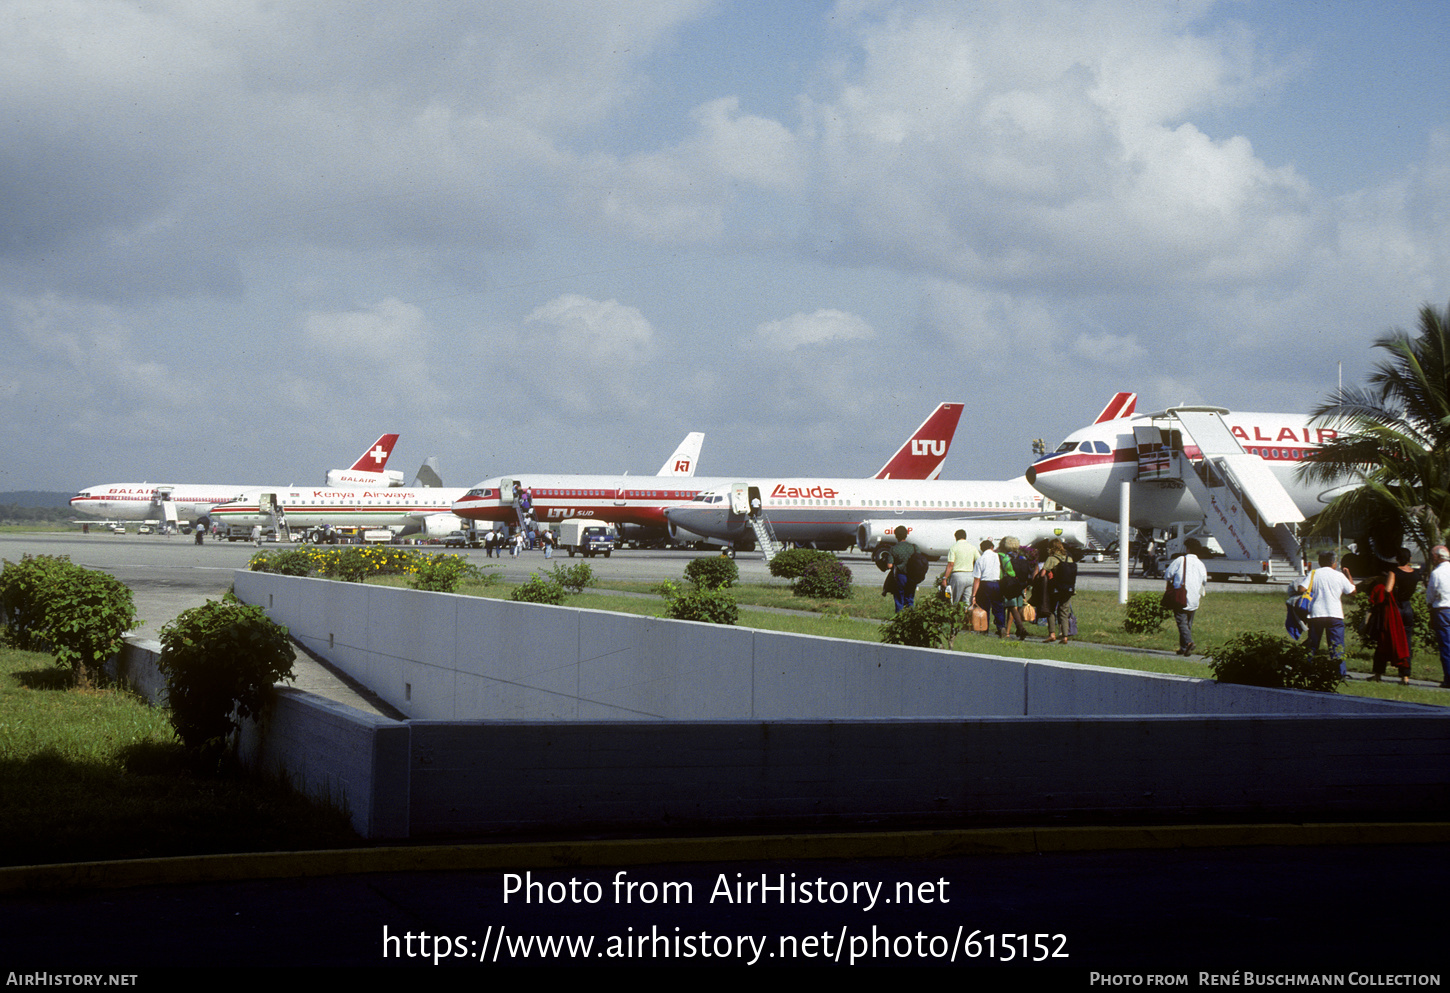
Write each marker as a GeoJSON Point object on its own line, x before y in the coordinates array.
{"type": "Point", "coordinates": [1144, 613]}
{"type": "Point", "coordinates": [791, 563]}
{"type": "Point", "coordinates": [1258, 659]}
{"type": "Point", "coordinates": [295, 562]}
{"type": "Point", "coordinates": [574, 578]}
{"type": "Point", "coordinates": [714, 573]}
{"type": "Point", "coordinates": [439, 573]}
{"type": "Point", "coordinates": [220, 661]}
{"type": "Point", "coordinates": [825, 579]}
{"type": "Point", "coordinates": [80, 615]}
{"type": "Point", "coordinates": [698, 604]}
{"type": "Point", "coordinates": [1356, 615]}
{"type": "Point", "coordinates": [538, 589]}
{"type": "Point", "coordinates": [933, 622]}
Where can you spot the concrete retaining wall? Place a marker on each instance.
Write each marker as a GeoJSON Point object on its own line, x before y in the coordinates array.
{"type": "Point", "coordinates": [534, 717]}
{"type": "Point", "coordinates": [436, 656]}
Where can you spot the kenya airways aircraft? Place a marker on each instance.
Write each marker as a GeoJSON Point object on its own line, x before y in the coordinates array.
{"type": "Point", "coordinates": [1086, 471]}
{"type": "Point", "coordinates": [188, 501]}
{"type": "Point", "coordinates": [633, 500]}
{"type": "Point", "coordinates": [404, 510]}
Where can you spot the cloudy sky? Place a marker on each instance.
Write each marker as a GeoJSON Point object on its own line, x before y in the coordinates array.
{"type": "Point", "coordinates": [239, 240]}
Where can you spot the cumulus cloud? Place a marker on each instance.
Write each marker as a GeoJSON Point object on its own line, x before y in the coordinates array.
{"type": "Point", "coordinates": [974, 144]}
{"type": "Point", "coordinates": [817, 328]}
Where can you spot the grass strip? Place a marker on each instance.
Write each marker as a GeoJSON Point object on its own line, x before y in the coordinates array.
{"type": "Point", "coordinates": [93, 774]}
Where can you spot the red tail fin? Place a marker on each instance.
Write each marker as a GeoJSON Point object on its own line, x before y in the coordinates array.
{"type": "Point", "coordinates": [375, 459]}
{"type": "Point", "coordinates": [925, 451]}
{"type": "Point", "coordinates": [1121, 405]}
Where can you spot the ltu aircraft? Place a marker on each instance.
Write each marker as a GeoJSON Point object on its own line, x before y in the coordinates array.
{"type": "Point", "coordinates": [404, 510]}
{"type": "Point", "coordinates": [188, 501]}
{"type": "Point", "coordinates": [630, 500]}
{"type": "Point", "coordinates": [1086, 471]}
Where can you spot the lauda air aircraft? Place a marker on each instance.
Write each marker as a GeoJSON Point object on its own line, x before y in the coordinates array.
{"type": "Point", "coordinates": [188, 501]}
{"type": "Point", "coordinates": [837, 513]}
{"type": "Point", "coordinates": [1086, 471]}
{"type": "Point", "coordinates": [404, 510]}
{"type": "Point", "coordinates": [630, 500]}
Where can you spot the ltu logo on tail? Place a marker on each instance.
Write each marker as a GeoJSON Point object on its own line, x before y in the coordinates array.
{"type": "Point", "coordinates": [924, 446]}
{"type": "Point", "coordinates": [682, 465]}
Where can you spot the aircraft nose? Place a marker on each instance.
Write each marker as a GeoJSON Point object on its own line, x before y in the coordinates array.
{"type": "Point", "coordinates": [1031, 475]}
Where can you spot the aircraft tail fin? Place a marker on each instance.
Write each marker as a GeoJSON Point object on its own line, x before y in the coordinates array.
{"type": "Point", "coordinates": [926, 450]}
{"type": "Point", "coordinates": [1121, 405]}
{"type": "Point", "coordinates": [428, 473]}
{"type": "Point", "coordinates": [682, 463]}
{"type": "Point", "coordinates": [375, 458]}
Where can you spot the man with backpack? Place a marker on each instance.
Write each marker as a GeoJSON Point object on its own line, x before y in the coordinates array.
{"type": "Point", "coordinates": [1059, 578]}
{"type": "Point", "coordinates": [908, 568]}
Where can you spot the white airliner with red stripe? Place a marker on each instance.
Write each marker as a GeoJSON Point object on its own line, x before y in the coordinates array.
{"type": "Point", "coordinates": [405, 510]}
{"type": "Point", "coordinates": [643, 501]}
{"type": "Point", "coordinates": [1086, 471]}
{"type": "Point", "coordinates": [188, 501]}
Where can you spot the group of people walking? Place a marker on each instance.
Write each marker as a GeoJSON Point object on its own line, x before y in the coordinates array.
{"type": "Point", "coordinates": [1317, 605]}
{"type": "Point", "coordinates": [1003, 581]}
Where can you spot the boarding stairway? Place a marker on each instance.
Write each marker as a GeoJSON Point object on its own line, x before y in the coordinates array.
{"type": "Point", "coordinates": [276, 515]}
{"type": "Point", "coordinates": [1244, 505]}
{"type": "Point", "coordinates": [765, 537]}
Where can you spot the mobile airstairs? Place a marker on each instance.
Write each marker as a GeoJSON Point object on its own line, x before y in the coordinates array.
{"type": "Point", "coordinates": [1245, 507]}
{"type": "Point", "coordinates": [745, 499]}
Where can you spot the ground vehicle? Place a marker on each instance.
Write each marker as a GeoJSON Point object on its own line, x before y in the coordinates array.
{"type": "Point", "coordinates": [455, 539]}
{"type": "Point", "coordinates": [587, 537]}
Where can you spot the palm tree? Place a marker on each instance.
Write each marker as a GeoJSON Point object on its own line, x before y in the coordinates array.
{"type": "Point", "coordinates": [1394, 440]}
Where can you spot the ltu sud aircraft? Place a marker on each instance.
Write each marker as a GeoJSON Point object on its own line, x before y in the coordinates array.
{"type": "Point", "coordinates": [404, 510]}
{"type": "Point", "coordinates": [627, 500]}
{"type": "Point", "coordinates": [1086, 471]}
{"type": "Point", "coordinates": [133, 502]}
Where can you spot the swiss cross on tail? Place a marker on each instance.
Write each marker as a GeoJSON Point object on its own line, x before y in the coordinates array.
{"type": "Point", "coordinates": [926, 450]}
{"type": "Point", "coordinates": [1121, 405]}
{"type": "Point", "coordinates": [376, 456]}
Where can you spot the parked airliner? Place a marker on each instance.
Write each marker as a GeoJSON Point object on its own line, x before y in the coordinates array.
{"type": "Point", "coordinates": [404, 510]}
{"type": "Point", "coordinates": [641, 501]}
{"type": "Point", "coordinates": [189, 501]}
{"type": "Point", "coordinates": [837, 513]}
{"type": "Point", "coordinates": [1087, 469]}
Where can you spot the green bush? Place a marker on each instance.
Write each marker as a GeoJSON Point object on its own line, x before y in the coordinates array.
{"type": "Point", "coordinates": [711, 606]}
{"type": "Point", "coordinates": [79, 615]}
{"type": "Point", "coordinates": [932, 622]}
{"type": "Point", "coordinates": [715, 573]}
{"type": "Point", "coordinates": [574, 578]}
{"type": "Point", "coordinates": [1356, 613]}
{"type": "Point", "coordinates": [220, 661]}
{"type": "Point", "coordinates": [538, 589]}
{"type": "Point", "coordinates": [293, 562]}
{"type": "Point", "coordinates": [1144, 613]}
{"type": "Point", "coordinates": [825, 579]}
{"type": "Point", "coordinates": [791, 563]}
{"type": "Point", "coordinates": [439, 573]}
{"type": "Point", "coordinates": [1258, 659]}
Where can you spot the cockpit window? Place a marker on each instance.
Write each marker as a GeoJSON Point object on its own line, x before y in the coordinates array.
{"type": "Point", "coordinates": [1066, 446]}
{"type": "Point", "coordinates": [1101, 447]}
